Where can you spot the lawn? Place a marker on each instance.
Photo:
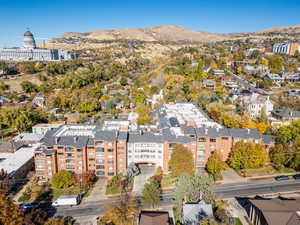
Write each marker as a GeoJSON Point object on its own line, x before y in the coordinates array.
{"type": "Point", "coordinates": [75, 190]}
{"type": "Point", "coordinates": [168, 180]}
{"type": "Point", "coordinates": [114, 185]}
{"type": "Point", "coordinates": [263, 171]}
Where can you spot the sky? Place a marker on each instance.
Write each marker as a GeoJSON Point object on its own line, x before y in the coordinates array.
{"type": "Point", "coordinates": [51, 18]}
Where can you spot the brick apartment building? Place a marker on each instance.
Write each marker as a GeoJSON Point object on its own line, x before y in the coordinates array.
{"type": "Point", "coordinates": [108, 150]}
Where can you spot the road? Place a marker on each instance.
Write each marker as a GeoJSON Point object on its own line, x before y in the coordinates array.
{"type": "Point", "coordinates": [246, 84]}
{"type": "Point", "coordinates": [222, 192]}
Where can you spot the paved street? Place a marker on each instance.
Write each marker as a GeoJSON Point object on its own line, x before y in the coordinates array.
{"type": "Point", "coordinates": [139, 181]}
{"type": "Point", "coordinates": [223, 192]}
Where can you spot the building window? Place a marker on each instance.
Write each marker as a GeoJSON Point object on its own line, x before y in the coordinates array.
{"type": "Point", "coordinates": [60, 153]}
{"type": "Point", "coordinates": [111, 174]}
{"type": "Point", "coordinates": [212, 140]}
{"type": "Point", "coordinates": [110, 150]}
{"type": "Point", "coordinates": [100, 172]}
{"type": "Point", "coordinates": [99, 149]}
{"type": "Point", "coordinates": [69, 149]}
{"type": "Point", "coordinates": [201, 139]}
{"type": "Point", "coordinates": [100, 167]}
{"type": "Point", "coordinates": [224, 138]}
{"type": "Point", "coordinates": [70, 155]}
{"type": "Point", "coordinates": [100, 161]}
{"type": "Point", "coordinates": [79, 150]}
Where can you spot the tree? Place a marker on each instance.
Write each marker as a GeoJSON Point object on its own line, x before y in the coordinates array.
{"type": "Point", "coordinates": [123, 81]}
{"type": "Point", "coordinates": [63, 179]}
{"type": "Point", "coordinates": [193, 189]}
{"type": "Point", "coordinates": [151, 193]}
{"type": "Point", "coordinates": [289, 133]}
{"type": "Point", "coordinates": [3, 86]}
{"type": "Point", "coordinates": [215, 164]}
{"type": "Point", "coordinates": [120, 213]}
{"type": "Point", "coordinates": [29, 87]}
{"type": "Point", "coordinates": [60, 221]}
{"type": "Point", "coordinates": [247, 155]}
{"type": "Point", "coordinates": [25, 67]}
{"type": "Point", "coordinates": [143, 112]}
{"type": "Point", "coordinates": [181, 161]}
{"type": "Point", "coordinates": [281, 155]}
{"type": "Point", "coordinates": [276, 63]}
{"type": "Point", "coordinates": [295, 161]}
{"type": "Point", "coordinates": [3, 67]}
{"type": "Point", "coordinates": [10, 214]}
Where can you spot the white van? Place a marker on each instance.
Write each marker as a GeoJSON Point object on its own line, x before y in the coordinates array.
{"type": "Point", "coordinates": [65, 200]}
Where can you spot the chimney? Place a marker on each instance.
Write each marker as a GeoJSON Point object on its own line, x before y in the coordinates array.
{"type": "Point", "coordinates": [206, 131]}
{"type": "Point", "coordinates": [248, 131]}
{"type": "Point", "coordinates": [75, 139]}
{"type": "Point", "coordinates": [56, 140]}
{"type": "Point", "coordinates": [291, 113]}
{"type": "Point", "coordinates": [141, 132]}
{"type": "Point", "coordinates": [218, 129]}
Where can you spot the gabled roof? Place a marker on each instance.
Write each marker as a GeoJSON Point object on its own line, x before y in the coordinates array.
{"type": "Point", "coordinates": [286, 113]}
{"type": "Point", "coordinates": [277, 211]}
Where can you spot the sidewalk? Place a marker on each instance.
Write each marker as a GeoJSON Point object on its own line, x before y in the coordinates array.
{"type": "Point", "coordinates": [97, 193]}
{"type": "Point", "coordinates": [20, 193]}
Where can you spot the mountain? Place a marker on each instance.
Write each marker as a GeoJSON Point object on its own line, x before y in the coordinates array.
{"type": "Point", "coordinates": [158, 33]}
{"type": "Point", "coordinates": [283, 30]}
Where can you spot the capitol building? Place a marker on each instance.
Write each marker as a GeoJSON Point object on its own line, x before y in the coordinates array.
{"type": "Point", "coordinates": [29, 52]}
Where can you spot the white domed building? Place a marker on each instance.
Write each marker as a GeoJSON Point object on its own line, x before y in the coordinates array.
{"type": "Point", "coordinates": [29, 52]}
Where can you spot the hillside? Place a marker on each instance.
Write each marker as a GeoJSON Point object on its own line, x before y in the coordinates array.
{"type": "Point", "coordinates": [158, 33]}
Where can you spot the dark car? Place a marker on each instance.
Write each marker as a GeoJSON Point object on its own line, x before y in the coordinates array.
{"type": "Point", "coordinates": [296, 176]}
{"type": "Point", "coordinates": [29, 205]}
{"type": "Point", "coordinates": [280, 178]}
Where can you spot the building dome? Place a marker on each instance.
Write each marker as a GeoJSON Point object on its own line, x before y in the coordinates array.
{"type": "Point", "coordinates": [28, 41]}
{"type": "Point", "coordinates": [28, 33]}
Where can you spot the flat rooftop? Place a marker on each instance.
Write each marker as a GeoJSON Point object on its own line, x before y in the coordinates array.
{"type": "Point", "coordinates": [13, 161]}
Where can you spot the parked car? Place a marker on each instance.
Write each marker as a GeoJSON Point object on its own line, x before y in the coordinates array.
{"type": "Point", "coordinates": [280, 178]}
{"type": "Point", "coordinates": [29, 205]}
{"type": "Point", "coordinates": [296, 176]}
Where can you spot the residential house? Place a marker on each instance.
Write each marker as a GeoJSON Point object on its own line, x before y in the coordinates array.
{"type": "Point", "coordinates": [273, 211]}
{"type": "Point", "coordinates": [230, 82]}
{"type": "Point", "coordinates": [211, 84]}
{"type": "Point", "coordinates": [154, 218]}
{"type": "Point", "coordinates": [274, 77]}
{"type": "Point", "coordinates": [219, 72]}
{"type": "Point", "coordinates": [255, 104]}
{"type": "Point", "coordinates": [284, 116]}
{"type": "Point", "coordinates": [193, 213]}
{"type": "Point", "coordinates": [291, 77]}
{"type": "Point", "coordinates": [39, 100]}
{"type": "Point", "coordinates": [4, 100]}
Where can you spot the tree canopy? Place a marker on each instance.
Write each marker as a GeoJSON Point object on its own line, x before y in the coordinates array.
{"type": "Point", "coordinates": [181, 161]}
{"type": "Point", "coordinates": [247, 155]}
{"type": "Point", "coordinates": [63, 179]}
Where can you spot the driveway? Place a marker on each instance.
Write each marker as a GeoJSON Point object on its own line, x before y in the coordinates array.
{"type": "Point", "coordinates": [139, 181]}
{"type": "Point", "coordinates": [230, 176]}
{"type": "Point", "coordinates": [97, 193]}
